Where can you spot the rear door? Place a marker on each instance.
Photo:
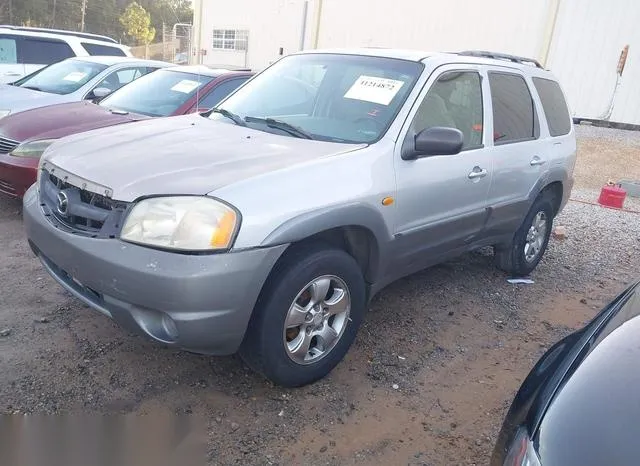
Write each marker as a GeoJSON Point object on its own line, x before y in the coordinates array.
{"type": "Point", "coordinates": [10, 68]}
{"type": "Point", "coordinates": [519, 158]}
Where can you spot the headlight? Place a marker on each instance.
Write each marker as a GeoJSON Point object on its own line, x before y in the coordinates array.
{"type": "Point", "coordinates": [32, 149]}
{"type": "Point", "coordinates": [187, 223]}
{"type": "Point", "coordinates": [522, 452]}
{"type": "Point", "coordinates": [4, 113]}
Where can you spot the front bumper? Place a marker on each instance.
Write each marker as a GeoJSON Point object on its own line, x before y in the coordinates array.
{"type": "Point", "coordinates": [17, 174]}
{"type": "Point", "coordinates": [201, 303]}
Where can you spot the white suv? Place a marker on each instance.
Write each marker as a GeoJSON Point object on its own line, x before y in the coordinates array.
{"type": "Point", "coordinates": [25, 50]}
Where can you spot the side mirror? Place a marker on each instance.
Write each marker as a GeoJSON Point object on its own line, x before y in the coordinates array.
{"type": "Point", "coordinates": [436, 141]}
{"type": "Point", "coordinates": [99, 93]}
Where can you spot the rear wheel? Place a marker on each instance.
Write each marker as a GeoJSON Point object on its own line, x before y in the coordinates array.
{"type": "Point", "coordinates": [530, 242]}
{"type": "Point", "coordinates": [307, 317]}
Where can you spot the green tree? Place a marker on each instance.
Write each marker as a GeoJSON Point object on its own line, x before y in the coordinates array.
{"type": "Point", "coordinates": [137, 24]}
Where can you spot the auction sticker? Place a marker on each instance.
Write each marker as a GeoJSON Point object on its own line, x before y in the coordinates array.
{"type": "Point", "coordinates": [75, 77]}
{"type": "Point", "coordinates": [185, 86]}
{"type": "Point", "coordinates": [372, 89]}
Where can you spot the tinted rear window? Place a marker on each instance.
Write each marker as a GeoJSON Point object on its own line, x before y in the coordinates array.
{"type": "Point", "coordinates": [554, 105]}
{"type": "Point", "coordinates": [514, 115]}
{"type": "Point", "coordinates": [43, 51]}
{"type": "Point", "coordinates": [104, 50]}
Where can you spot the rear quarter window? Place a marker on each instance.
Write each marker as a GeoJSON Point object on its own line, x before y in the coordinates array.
{"type": "Point", "coordinates": [8, 50]}
{"type": "Point", "coordinates": [554, 106]}
{"type": "Point", "coordinates": [104, 50]}
{"type": "Point", "coordinates": [43, 51]}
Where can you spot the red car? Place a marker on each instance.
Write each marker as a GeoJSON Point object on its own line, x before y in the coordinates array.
{"type": "Point", "coordinates": [167, 92]}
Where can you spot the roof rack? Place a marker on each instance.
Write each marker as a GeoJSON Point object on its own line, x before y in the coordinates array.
{"type": "Point", "coordinates": [61, 32]}
{"type": "Point", "coordinates": [500, 56]}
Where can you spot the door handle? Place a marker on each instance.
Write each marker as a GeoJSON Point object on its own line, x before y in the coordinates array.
{"type": "Point", "coordinates": [537, 161]}
{"type": "Point", "coordinates": [477, 173]}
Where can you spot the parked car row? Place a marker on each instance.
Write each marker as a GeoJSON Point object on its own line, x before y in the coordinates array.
{"type": "Point", "coordinates": [25, 133]}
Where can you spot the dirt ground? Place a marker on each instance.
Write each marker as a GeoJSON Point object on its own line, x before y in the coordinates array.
{"type": "Point", "coordinates": [427, 382]}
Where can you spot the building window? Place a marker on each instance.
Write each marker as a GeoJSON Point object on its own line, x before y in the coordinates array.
{"type": "Point", "coordinates": [230, 39]}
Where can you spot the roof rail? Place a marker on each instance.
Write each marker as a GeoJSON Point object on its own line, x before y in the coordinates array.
{"type": "Point", "coordinates": [500, 56]}
{"type": "Point", "coordinates": [62, 32]}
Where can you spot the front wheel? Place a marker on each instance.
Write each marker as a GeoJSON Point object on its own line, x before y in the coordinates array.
{"type": "Point", "coordinates": [307, 317]}
{"type": "Point", "coordinates": [530, 242]}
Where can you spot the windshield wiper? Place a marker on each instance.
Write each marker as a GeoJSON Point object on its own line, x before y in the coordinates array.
{"type": "Point", "coordinates": [230, 115]}
{"type": "Point", "coordinates": [33, 88]}
{"type": "Point", "coordinates": [281, 125]}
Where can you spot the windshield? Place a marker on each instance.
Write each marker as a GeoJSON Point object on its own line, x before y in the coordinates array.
{"type": "Point", "coordinates": [330, 97]}
{"type": "Point", "coordinates": [63, 77]}
{"type": "Point", "coordinates": [157, 94]}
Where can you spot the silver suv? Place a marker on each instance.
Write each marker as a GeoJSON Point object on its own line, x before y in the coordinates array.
{"type": "Point", "coordinates": [266, 225]}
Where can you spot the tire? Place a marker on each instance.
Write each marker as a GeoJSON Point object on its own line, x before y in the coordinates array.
{"type": "Point", "coordinates": [516, 259]}
{"type": "Point", "coordinates": [269, 347]}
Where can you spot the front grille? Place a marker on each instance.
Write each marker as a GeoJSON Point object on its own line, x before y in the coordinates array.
{"type": "Point", "coordinates": [79, 211]}
{"type": "Point", "coordinates": [7, 145]}
{"type": "Point", "coordinates": [7, 188]}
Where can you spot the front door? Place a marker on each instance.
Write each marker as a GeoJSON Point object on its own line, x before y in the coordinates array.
{"type": "Point", "coordinates": [441, 200]}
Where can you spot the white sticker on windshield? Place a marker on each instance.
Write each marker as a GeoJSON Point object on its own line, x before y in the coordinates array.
{"type": "Point", "coordinates": [185, 86]}
{"type": "Point", "coordinates": [75, 76]}
{"type": "Point", "coordinates": [372, 89]}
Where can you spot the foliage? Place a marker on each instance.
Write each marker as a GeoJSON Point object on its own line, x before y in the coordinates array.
{"type": "Point", "coordinates": [101, 16]}
{"type": "Point", "coordinates": [137, 24]}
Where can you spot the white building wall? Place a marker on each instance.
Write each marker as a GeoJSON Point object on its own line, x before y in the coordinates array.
{"type": "Point", "coordinates": [586, 36]}
{"type": "Point", "coordinates": [587, 42]}
{"type": "Point", "coordinates": [272, 24]}
{"type": "Point", "coordinates": [509, 26]}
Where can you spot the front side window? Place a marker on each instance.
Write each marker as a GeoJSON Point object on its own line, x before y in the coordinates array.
{"type": "Point", "coordinates": [157, 94]}
{"type": "Point", "coordinates": [331, 97]}
{"type": "Point", "coordinates": [103, 50]}
{"type": "Point", "coordinates": [554, 106]}
{"type": "Point", "coordinates": [42, 51]}
{"type": "Point", "coordinates": [8, 50]}
{"type": "Point", "coordinates": [64, 77]}
{"type": "Point", "coordinates": [119, 78]}
{"type": "Point", "coordinates": [220, 92]}
{"type": "Point", "coordinates": [453, 101]}
{"type": "Point", "coordinates": [514, 114]}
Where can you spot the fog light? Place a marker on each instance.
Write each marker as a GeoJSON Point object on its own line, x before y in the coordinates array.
{"type": "Point", "coordinates": [170, 326]}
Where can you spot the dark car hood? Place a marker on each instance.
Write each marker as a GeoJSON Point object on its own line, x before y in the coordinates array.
{"type": "Point", "coordinates": [56, 121]}
{"type": "Point", "coordinates": [594, 416]}
{"type": "Point", "coordinates": [180, 155]}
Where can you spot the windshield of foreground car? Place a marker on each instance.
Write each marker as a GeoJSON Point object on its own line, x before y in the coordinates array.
{"type": "Point", "coordinates": [329, 97]}
{"type": "Point", "coordinates": [64, 77]}
{"type": "Point", "coordinates": [157, 94]}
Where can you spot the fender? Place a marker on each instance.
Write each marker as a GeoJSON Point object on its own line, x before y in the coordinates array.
{"type": "Point", "coordinates": [350, 215]}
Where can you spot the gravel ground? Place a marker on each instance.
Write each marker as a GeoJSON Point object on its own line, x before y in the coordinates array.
{"type": "Point", "coordinates": [427, 382]}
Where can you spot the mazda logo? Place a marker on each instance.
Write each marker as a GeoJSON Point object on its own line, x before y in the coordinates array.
{"type": "Point", "coordinates": [63, 203]}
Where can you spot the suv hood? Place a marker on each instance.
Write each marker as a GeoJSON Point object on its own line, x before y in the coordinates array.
{"type": "Point", "coordinates": [180, 155]}
{"type": "Point", "coordinates": [56, 121]}
{"type": "Point", "coordinates": [17, 99]}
